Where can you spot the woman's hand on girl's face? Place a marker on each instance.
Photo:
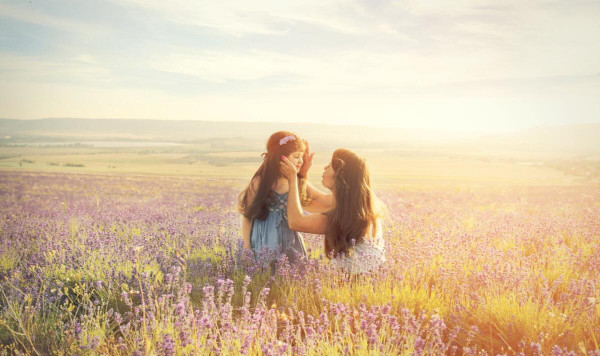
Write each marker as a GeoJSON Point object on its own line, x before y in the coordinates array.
{"type": "Point", "coordinates": [287, 168]}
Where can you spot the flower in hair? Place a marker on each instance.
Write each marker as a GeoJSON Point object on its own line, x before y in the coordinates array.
{"type": "Point", "coordinates": [286, 139]}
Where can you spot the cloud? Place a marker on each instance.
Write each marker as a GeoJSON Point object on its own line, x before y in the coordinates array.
{"type": "Point", "coordinates": [341, 59]}
{"type": "Point", "coordinates": [81, 70]}
{"type": "Point", "coordinates": [85, 58]}
{"type": "Point", "coordinates": [31, 15]}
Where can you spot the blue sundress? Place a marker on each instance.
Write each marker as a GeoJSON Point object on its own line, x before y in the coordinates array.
{"type": "Point", "coordinates": [274, 233]}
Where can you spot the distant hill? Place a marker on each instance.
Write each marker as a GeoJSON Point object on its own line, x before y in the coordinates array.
{"type": "Point", "coordinates": [577, 139]}
{"type": "Point", "coordinates": [191, 131]}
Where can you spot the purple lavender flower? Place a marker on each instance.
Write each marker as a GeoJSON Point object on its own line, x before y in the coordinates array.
{"type": "Point", "coordinates": [125, 298]}
{"type": "Point", "coordinates": [187, 288]}
{"type": "Point", "coordinates": [180, 308]}
{"type": "Point", "coordinates": [168, 345]}
{"type": "Point", "coordinates": [419, 346]}
{"type": "Point", "coordinates": [94, 342]}
{"type": "Point", "coordinates": [536, 348]}
{"type": "Point", "coordinates": [78, 330]}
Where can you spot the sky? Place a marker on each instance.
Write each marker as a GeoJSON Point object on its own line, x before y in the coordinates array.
{"type": "Point", "coordinates": [449, 65]}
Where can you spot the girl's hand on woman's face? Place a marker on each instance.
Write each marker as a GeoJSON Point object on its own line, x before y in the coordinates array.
{"type": "Point", "coordinates": [307, 161]}
{"type": "Point", "coordinates": [287, 168]}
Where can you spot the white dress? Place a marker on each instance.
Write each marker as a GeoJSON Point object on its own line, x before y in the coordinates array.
{"type": "Point", "coordinates": [365, 256]}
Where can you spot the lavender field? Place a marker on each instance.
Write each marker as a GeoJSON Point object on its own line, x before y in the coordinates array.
{"type": "Point", "coordinates": [120, 265]}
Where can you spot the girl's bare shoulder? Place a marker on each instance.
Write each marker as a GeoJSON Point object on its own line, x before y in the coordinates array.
{"type": "Point", "coordinates": [281, 186]}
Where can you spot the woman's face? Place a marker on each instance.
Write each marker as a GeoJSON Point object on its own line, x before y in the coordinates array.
{"type": "Point", "coordinates": [296, 159]}
{"type": "Point", "coordinates": [328, 177]}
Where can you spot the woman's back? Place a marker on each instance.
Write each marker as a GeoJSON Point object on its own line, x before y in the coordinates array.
{"type": "Point", "coordinates": [364, 256]}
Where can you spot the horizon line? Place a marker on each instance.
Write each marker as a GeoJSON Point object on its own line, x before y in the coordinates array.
{"type": "Point", "coordinates": [552, 125]}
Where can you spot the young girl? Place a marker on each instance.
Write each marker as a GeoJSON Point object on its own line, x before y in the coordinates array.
{"type": "Point", "coordinates": [263, 203]}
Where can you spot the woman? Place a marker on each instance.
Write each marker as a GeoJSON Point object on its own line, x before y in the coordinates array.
{"type": "Point", "coordinates": [352, 227]}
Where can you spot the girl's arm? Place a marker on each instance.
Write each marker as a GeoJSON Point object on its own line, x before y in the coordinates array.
{"type": "Point", "coordinates": [320, 202]}
{"type": "Point", "coordinates": [246, 223]}
{"type": "Point", "coordinates": [246, 227]}
{"type": "Point", "coordinates": [307, 159]}
{"type": "Point", "coordinates": [312, 223]}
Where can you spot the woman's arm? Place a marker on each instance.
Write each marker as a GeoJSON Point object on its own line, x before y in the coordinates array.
{"type": "Point", "coordinates": [320, 201]}
{"type": "Point", "coordinates": [312, 223]}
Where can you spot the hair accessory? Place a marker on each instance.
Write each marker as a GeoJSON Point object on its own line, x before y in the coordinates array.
{"type": "Point", "coordinates": [286, 139]}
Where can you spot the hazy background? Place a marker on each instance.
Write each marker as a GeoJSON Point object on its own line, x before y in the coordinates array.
{"type": "Point", "coordinates": [435, 92]}
{"type": "Point", "coordinates": [565, 155]}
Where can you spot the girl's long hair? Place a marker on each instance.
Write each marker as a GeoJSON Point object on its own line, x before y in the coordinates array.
{"type": "Point", "coordinates": [354, 215]}
{"type": "Point", "coordinates": [268, 173]}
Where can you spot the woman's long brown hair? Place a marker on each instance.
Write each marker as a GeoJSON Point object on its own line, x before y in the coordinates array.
{"type": "Point", "coordinates": [353, 216]}
{"type": "Point", "coordinates": [268, 173]}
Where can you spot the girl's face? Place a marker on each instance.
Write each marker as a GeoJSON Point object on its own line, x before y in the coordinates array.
{"type": "Point", "coordinates": [296, 159]}
{"type": "Point", "coordinates": [328, 177]}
